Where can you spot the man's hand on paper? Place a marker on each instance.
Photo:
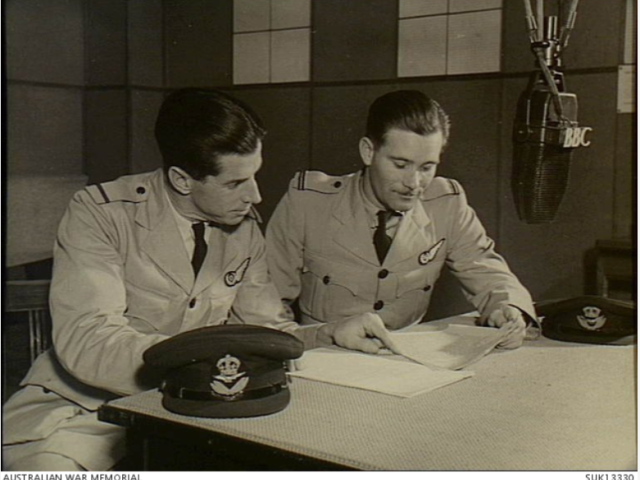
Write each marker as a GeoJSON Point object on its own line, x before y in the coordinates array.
{"type": "Point", "coordinates": [365, 332]}
{"type": "Point", "coordinates": [511, 320]}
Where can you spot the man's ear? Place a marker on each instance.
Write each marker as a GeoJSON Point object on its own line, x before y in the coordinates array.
{"type": "Point", "coordinates": [180, 180]}
{"type": "Point", "coordinates": [367, 150]}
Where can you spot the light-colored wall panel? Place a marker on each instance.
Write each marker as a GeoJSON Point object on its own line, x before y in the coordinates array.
{"type": "Point", "coordinates": [251, 58]}
{"type": "Point", "coordinates": [422, 46]}
{"type": "Point", "coordinates": [290, 13]}
{"type": "Point", "coordinates": [474, 42]}
{"type": "Point", "coordinates": [471, 5]}
{"type": "Point", "coordinates": [290, 55]}
{"type": "Point", "coordinates": [251, 15]}
{"type": "Point", "coordinates": [417, 8]}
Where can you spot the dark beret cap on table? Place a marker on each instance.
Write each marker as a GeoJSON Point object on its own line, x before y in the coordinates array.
{"type": "Point", "coordinates": [589, 319]}
{"type": "Point", "coordinates": [225, 371]}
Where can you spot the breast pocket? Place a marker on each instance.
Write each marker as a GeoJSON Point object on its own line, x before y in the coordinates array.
{"type": "Point", "coordinates": [220, 303]}
{"type": "Point", "coordinates": [414, 291]}
{"type": "Point", "coordinates": [148, 308]}
{"type": "Point", "coordinates": [331, 290]}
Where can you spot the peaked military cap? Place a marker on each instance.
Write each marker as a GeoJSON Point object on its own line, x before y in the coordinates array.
{"type": "Point", "coordinates": [589, 319]}
{"type": "Point", "coordinates": [225, 371]}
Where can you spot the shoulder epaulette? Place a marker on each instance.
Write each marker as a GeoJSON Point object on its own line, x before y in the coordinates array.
{"type": "Point", "coordinates": [120, 190]}
{"type": "Point", "coordinates": [440, 187]}
{"type": "Point", "coordinates": [316, 181]}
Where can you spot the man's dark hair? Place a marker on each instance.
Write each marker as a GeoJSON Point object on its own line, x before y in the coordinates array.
{"type": "Point", "coordinates": [195, 126]}
{"type": "Point", "coordinates": [409, 110]}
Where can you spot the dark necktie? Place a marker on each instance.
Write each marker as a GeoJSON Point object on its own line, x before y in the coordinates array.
{"type": "Point", "coordinates": [381, 240]}
{"type": "Point", "coordinates": [200, 251]}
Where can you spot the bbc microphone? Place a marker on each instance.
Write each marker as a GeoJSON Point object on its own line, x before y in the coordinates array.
{"type": "Point", "coordinates": [545, 133]}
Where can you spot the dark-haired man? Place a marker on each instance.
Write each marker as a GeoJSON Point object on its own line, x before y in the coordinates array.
{"type": "Point", "coordinates": [373, 243]}
{"type": "Point", "coordinates": [145, 257]}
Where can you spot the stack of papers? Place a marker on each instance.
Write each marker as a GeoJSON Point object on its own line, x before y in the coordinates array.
{"type": "Point", "coordinates": [450, 346]}
{"type": "Point", "coordinates": [440, 353]}
{"type": "Point", "coordinates": [383, 374]}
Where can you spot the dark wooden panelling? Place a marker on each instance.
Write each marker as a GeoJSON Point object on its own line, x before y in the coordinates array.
{"type": "Point", "coordinates": [198, 42]}
{"type": "Point", "coordinates": [145, 155]}
{"type": "Point", "coordinates": [355, 39]}
{"type": "Point", "coordinates": [106, 138]}
{"type": "Point", "coordinates": [106, 42]}
{"type": "Point", "coordinates": [549, 258]}
{"type": "Point", "coordinates": [44, 41]}
{"type": "Point", "coordinates": [44, 130]}
{"type": "Point", "coordinates": [145, 43]}
{"type": "Point", "coordinates": [339, 121]}
{"type": "Point", "coordinates": [285, 112]}
{"type": "Point", "coordinates": [595, 41]}
{"type": "Point", "coordinates": [626, 177]}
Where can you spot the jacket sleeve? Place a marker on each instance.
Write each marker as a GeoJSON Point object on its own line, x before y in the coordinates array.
{"type": "Point", "coordinates": [92, 337]}
{"type": "Point", "coordinates": [258, 302]}
{"type": "Point", "coordinates": [285, 247]}
{"type": "Point", "coordinates": [486, 278]}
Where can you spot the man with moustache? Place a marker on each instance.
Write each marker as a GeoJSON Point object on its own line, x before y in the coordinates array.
{"type": "Point", "coordinates": [373, 243]}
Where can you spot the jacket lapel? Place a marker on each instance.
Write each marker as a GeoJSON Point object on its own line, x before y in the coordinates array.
{"type": "Point", "coordinates": [163, 243]}
{"type": "Point", "coordinates": [354, 233]}
{"type": "Point", "coordinates": [414, 236]}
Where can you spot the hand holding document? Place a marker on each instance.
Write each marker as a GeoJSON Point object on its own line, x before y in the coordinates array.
{"type": "Point", "coordinates": [449, 346]}
{"type": "Point", "coordinates": [439, 351]}
{"type": "Point", "coordinates": [384, 374]}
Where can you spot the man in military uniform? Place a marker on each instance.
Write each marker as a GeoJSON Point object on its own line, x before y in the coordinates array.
{"type": "Point", "coordinates": [373, 243]}
{"type": "Point", "coordinates": [145, 257]}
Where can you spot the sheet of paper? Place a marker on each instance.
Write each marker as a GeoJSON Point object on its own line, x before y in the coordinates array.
{"type": "Point", "coordinates": [452, 346]}
{"type": "Point", "coordinates": [381, 374]}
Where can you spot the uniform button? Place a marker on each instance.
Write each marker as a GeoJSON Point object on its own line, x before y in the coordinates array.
{"type": "Point", "coordinates": [192, 303]}
{"type": "Point", "coordinates": [140, 190]}
{"type": "Point", "coordinates": [337, 184]}
{"type": "Point", "coordinates": [383, 273]}
{"type": "Point", "coordinates": [378, 305]}
{"type": "Point", "coordinates": [427, 288]}
{"type": "Point", "coordinates": [326, 279]}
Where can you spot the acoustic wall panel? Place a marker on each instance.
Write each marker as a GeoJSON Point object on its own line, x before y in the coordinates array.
{"type": "Point", "coordinates": [146, 66]}
{"type": "Point", "coordinates": [198, 42]}
{"type": "Point", "coordinates": [145, 155]}
{"type": "Point", "coordinates": [354, 40]}
{"type": "Point", "coordinates": [419, 8]}
{"type": "Point", "coordinates": [290, 13]}
{"type": "Point", "coordinates": [106, 135]}
{"type": "Point", "coordinates": [251, 57]}
{"type": "Point", "coordinates": [106, 42]}
{"type": "Point", "coordinates": [290, 51]}
{"type": "Point", "coordinates": [473, 5]}
{"type": "Point", "coordinates": [44, 41]}
{"type": "Point", "coordinates": [251, 15]}
{"type": "Point", "coordinates": [422, 46]}
{"type": "Point", "coordinates": [44, 130]}
{"type": "Point", "coordinates": [285, 112]}
{"type": "Point", "coordinates": [474, 42]}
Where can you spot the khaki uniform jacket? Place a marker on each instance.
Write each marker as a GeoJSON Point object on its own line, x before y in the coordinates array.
{"type": "Point", "coordinates": [123, 281]}
{"type": "Point", "coordinates": [320, 250]}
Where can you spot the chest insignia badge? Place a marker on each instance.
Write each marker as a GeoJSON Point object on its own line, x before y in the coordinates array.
{"type": "Point", "coordinates": [229, 384]}
{"type": "Point", "coordinates": [234, 277]}
{"type": "Point", "coordinates": [429, 255]}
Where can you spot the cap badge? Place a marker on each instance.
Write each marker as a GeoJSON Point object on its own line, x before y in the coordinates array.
{"type": "Point", "coordinates": [591, 318]}
{"type": "Point", "coordinates": [429, 255]}
{"type": "Point", "coordinates": [229, 384]}
{"type": "Point", "coordinates": [234, 277]}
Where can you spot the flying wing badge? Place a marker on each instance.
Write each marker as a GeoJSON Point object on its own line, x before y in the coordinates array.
{"type": "Point", "coordinates": [234, 277]}
{"type": "Point", "coordinates": [429, 255]}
